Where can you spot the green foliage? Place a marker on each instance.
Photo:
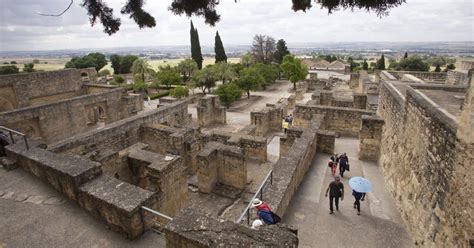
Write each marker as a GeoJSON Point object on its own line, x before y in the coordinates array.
{"type": "Point", "coordinates": [394, 66]}
{"type": "Point", "coordinates": [29, 67]}
{"type": "Point", "coordinates": [406, 55]}
{"type": "Point", "coordinates": [365, 65]}
{"type": "Point", "coordinates": [413, 63]}
{"type": "Point", "coordinates": [330, 58]}
{"type": "Point", "coordinates": [281, 51]}
{"type": "Point", "coordinates": [263, 48]}
{"type": "Point", "coordinates": [36, 61]}
{"type": "Point", "coordinates": [13, 62]}
{"type": "Point", "coordinates": [437, 69]}
{"type": "Point", "coordinates": [293, 69]}
{"type": "Point", "coordinates": [250, 80]}
{"type": "Point", "coordinates": [381, 63]}
{"type": "Point", "coordinates": [186, 68]}
{"type": "Point", "coordinates": [126, 63]}
{"type": "Point", "coordinates": [141, 68]}
{"type": "Point", "coordinates": [139, 86]}
{"type": "Point", "coordinates": [219, 49]}
{"type": "Point", "coordinates": [205, 79]}
{"type": "Point", "coordinates": [224, 72]}
{"type": "Point", "coordinates": [104, 72]}
{"type": "Point", "coordinates": [268, 72]}
{"type": "Point", "coordinates": [115, 61]}
{"type": "Point", "coordinates": [237, 67]}
{"type": "Point", "coordinates": [352, 64]}
{"type": "Point", "coordinates": [168, 75]}
{"type": "Point", "coordinates": [228, 93]}
{"type": "Point", "coordinates": [179, 92]}
{"type": "Point", "coordinates": [8, 69]}
{"type": "Point", "coordinates": [160, 95]}
{"type": "Point", "coordinates": [246, 60]}
{"type": "Point", "coordinates": [96, 60]}
{"type": "Point", "coordinates": [450, 67]}
{"type": "Point", "coordinates": [196, 54]}
{"type": "Point", "coordinates": [119, 79]}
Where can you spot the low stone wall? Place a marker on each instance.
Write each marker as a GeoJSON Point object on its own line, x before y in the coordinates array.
{"type": "Point", "coordinates": [354, 80]}
{"type": "Point", "coordinates": [209, 110]}
{"type": "Point", "coordinates": [326, 98]}
{"type": "Point", "coordinates": [423, 161]}
{"type": "Point", "coordinates": [425, 76]}
{"type": "Point", "coordinates": [335, 118]}
{"type": "Point", "coordinates": [269, 119]}
{"type": "Point", "coordinates": [77, 115]}
{"type": "Point", "coordinates": [252, 146]}
{"type": "Point", "coordinates": [386, 76]}
{"type": "Point", "coordinates": [457, 78]}
{"type": "Point", "coordinates": [370, 136]}
{"type": "Point", "coordinates": [219, 163]}
{"type": "Point", "coordinates": [192, 228]}
{"type": "Point", "coordinates": [326, 141]}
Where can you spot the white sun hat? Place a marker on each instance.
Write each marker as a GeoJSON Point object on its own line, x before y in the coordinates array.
{"type": "Point", "coordinates": [256, 202]}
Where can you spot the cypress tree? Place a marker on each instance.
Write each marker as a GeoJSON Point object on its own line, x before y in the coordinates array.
{"type": "Point", "coordinates": [281, 51]}
{"type": "Point", "coordinates": [219, 49]}
{"type": "Point", "coordinates": [196, 54]}
{"type": "Point", "coordinates": [381, 63]}
{"type": "Point", "coordinates": [406, 55]}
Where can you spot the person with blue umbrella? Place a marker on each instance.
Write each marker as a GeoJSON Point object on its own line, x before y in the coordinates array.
{"type": "Point", "coordinates": [360, 186]}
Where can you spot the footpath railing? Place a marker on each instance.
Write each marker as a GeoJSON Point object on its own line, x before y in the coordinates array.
{"type": "Point", "coordinates": [157, 214]}
{"type": "Point", "coordinates": [259, 191]}
{"type": "Point", "coordinates": [12, 138]}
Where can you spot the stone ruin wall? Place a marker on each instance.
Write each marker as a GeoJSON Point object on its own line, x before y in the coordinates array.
{"type": "Point", "coordinates": [326, 98]}
{"type": "Point", "coordinates": [425, 169]}
{"type": "Point", "coordinates": [425, 76]}
{"type": "Point", "coordinates": [269, 119]}
{"type": "Point", "coordinates": [209, 111]}
{"type": "Point", "coordinates": [370, 137]}
{"type": "Point", "coordinates": [253, 147]}
{"type": "Point", "coordinates": [77, 115]}
{"type": "Point", "coordinates": [32, 89]}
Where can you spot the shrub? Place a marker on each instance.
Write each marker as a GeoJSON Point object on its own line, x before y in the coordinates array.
{"type": "Point", "coordinates": [179, 92]}
{"type": "Point", "coordinates": [9, 69]}
{"type": "Point", "coordinates": [119, 79]}
{"type": "Point", "coordinates": [104, 73]}
{"type": "Point", "coordinates": [228, 93]}
{"type": "Point", "coordinates": [159, 95]}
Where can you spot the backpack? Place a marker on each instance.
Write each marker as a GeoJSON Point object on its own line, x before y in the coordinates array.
{"type": "Point", "coordinates": [275, 217]}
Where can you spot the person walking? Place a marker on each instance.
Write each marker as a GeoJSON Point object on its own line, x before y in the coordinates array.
{"type": "Point", "coordinates": [290, 119]}
{"type": "Point", "coordinates": [284, 125]}
{"type": "Point", "coordinates": [358, 198]}
{"type": "Point", "coordinates": [343, 164]}
{"type": "Point", "coordinates": [264, 212]}
{"type": "Point", "coordinates": [333, 166]}
{"type": "Point", "coordinates": [336, 191]}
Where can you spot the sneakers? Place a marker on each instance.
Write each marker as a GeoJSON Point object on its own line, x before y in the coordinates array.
{"type": "Point", "coordinates": [331, 212]}
{"type": "Point", "coordinates": [358, 213]}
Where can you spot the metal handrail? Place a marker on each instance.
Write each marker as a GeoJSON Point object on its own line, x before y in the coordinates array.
{"type": "Point", "coordinates": [157, 213]}
{"type": "Point", "coordinates": [11, 132]}
{"type": "Point", "coordinates": [259, 190]}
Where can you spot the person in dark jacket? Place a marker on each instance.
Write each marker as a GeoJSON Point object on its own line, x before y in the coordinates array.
{"type": "Point", "coordinates": [264, 212]}
{"type": "Point", "coordinates": [358, 198]}
{"type": "Point", "coordinates": [343, 164]}
{"type": "Point", "coordinates": [336, 191]}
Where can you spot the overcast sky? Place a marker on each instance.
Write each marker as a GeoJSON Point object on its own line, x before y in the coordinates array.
{"type": "Point", "coordinates": [416, 20]}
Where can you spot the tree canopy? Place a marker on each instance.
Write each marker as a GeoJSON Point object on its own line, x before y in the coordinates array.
{"type": "Point", "coordinates": [196, 54]}
{"type": "Point", "coordinates": [294, 69]}
{"type": "Point", "coordinates": [8, 69]}
{"type": "Point", "coordinates": [99, 11]}
{"type": "Point", "coordinates": [263, 48]}
{"type": "Point", "coordinates": [122, 64]}
{"type": "Point", "coordinates": [250, 80]}
{"type": "Point", "coordinates": [205, 79]}
{"type": "Point", "coordinates": [228, 93]}
{"type": "Point", "coordinates": [96, 60]}
{"type": "Point", "coordinates": [186, 68]}
{"type": "Point", "coordinates": [413, 63]}
{"type": "Point", "coordinates": [141, 68]}
{"type": "Point", "coordinates": [224, 72]}
{"type": "Point", "coordinates": [381, 63]}
{"type": "Point", "coordinates": [219, 49]}
{"type": "Point", "coordinates": [281, 51]}
{"type": "Point", "coordinates": [168, 75]}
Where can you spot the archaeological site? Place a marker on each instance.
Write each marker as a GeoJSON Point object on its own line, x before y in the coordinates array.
{"type": "Point", "coordinates": [80, 156]}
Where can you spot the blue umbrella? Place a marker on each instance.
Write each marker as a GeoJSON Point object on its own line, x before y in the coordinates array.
{"type": "Point", "coordinates": [360, 184]}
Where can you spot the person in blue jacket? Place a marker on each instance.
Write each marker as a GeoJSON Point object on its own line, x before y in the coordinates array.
{"type": "Point", "coordinates": [358, 198]}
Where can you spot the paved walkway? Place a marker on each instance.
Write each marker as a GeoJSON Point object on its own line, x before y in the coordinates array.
{"type": "Point", "coordinates": [379, 224]}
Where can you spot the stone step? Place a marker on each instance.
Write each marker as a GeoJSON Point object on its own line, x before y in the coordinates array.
{"type": "Point", "coordinates": [8, 163]}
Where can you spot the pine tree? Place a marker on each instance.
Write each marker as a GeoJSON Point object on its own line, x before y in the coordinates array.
{"type": "Point", "coordinates": [365, 66]}
{"type": "Point", "coordinates": [437, 69]}
{"type": "Point", "coordinates": [196, 54]}
{"type": "Point", "coordinates": [406, 55]}
{"type": "Point", "coordinates": [219, 49]}
{"type": "Point", "coordinates": [381, 63]}
{"type": "Point", "coordinates": [281, 51]}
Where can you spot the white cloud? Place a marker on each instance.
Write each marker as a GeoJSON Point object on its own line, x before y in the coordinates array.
{"type": "Point", "coordinates": [417, 20]}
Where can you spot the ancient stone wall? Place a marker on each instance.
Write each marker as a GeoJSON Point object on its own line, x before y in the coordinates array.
{"type": "Point", "coordinates": [423, 162]}
{"type": "Point", "coordinates": [209, 111]}
{"type": "Point", "coordinates": [31, 89]}
{"type": "Point", "coordinates": [457, 78]}
{"type": "Point", "coordinates": [344, 121]}
{"type": "Point", "coordinates": [386, 76]}
{"type": "Point", "coordinates": [425, 76]}
{"type": "Point", "coordinates": [326, 98]}
{"type": "Point", "coordinates": [370, 136]}
{"type": "Point", "coordinates": [354, 80]}
{"type": "Point", "coordinates": [77, 115]}
{"type": "Point", "coordinates": [192, 228]}
{"type": "Point", "coordinates": [253, 147]}
{"type": "Point", "coordinates": [219, 163]}
{"type": "Point", "coordinates": [268, 119]}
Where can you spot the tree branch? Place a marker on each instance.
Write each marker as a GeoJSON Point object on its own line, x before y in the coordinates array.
{"type": "Point", "coordinates": [60, 14]}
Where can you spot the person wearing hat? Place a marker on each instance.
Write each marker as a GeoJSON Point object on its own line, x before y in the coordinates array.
{"type": "Point", "coordinates": [336, 191]}
{"type": "Point", "coordinates": [264, 212]}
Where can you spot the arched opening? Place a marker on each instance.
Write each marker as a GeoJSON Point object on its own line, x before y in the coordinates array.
{"type": "Point", "coordinates": [101, 113]}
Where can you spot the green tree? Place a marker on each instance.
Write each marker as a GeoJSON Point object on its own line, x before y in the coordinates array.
{"type": "Point", "coordinates": [139, 86]}
{"type": "Point", "coordinates": [126, 63]}
{"type": "Point", "coordinates": [281, 51]}
{"type": "Point", "coordinates": [219, 49]}
{"type": "Point", "coordinates": [205, 79]}
{"type": "Point", "coordinates": [179, 92]}
{"type": "Point", "coordinates": [414, 63]}
{"type": "Point", "coordinates": [186, 68]}
{"type": "Point", "coordinates": [196, 47]}
{"type": "Point", "coordinates": [96, 60]}
{"type": "Point", "coordinates": [450, 67]}
{"type": "Point", "coordinates": [394, 66]}
{"type": "Point", "coordinates": [263, 48]}
{"type": "Point", "coordinates": [294, 69]}
{"type": "Point", "coordinates": [8, 69]}
{"type": "Point", "coordinates": [438, 68]}
{"type": "Point", "coordinates": [118, 80]}
{"type": "Point", "coordinates": [250, 80]}
{"type": "Point", "coordinates": [115, 61]}
{"type": "Point", "coordinates": [36, 61]}
{"type": "Point", "coordinates": [168, 75]}
{"type": "Point", "coordinates": [224, 72]}
{"type": "Point", "coordinates": [268, 73]}
{"type": "Point", "coordinates": [228, 93]}
{"type": "Point", "coordinates": [13, 62]}
{"type": "Point", "coordinates": [406, 55]}
{"type": "Point", "coordinates": [141, 68]}
{"type": "Point", "coordinates": [246, 60]}
{"type": "Point", "coordinates": [437, 60]}
{"type": "Point", "coordinates": [104, 72]}
{"type": "Point", "coordinates": [365, 65]}
{"type": "Point", "coordinates": [381, 63]}
{"type": "Point", "coordinates": [29, 67]}
{"type": "Point", "coordinates": [352, 64]}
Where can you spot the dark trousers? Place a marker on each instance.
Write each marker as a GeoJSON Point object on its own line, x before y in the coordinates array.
{"type": "Point", "coordinates": [357, 204]}
{"type": "Point", "coordinates": [331, 199]}
{"type": "Point", "coordinates": [342, 169]}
